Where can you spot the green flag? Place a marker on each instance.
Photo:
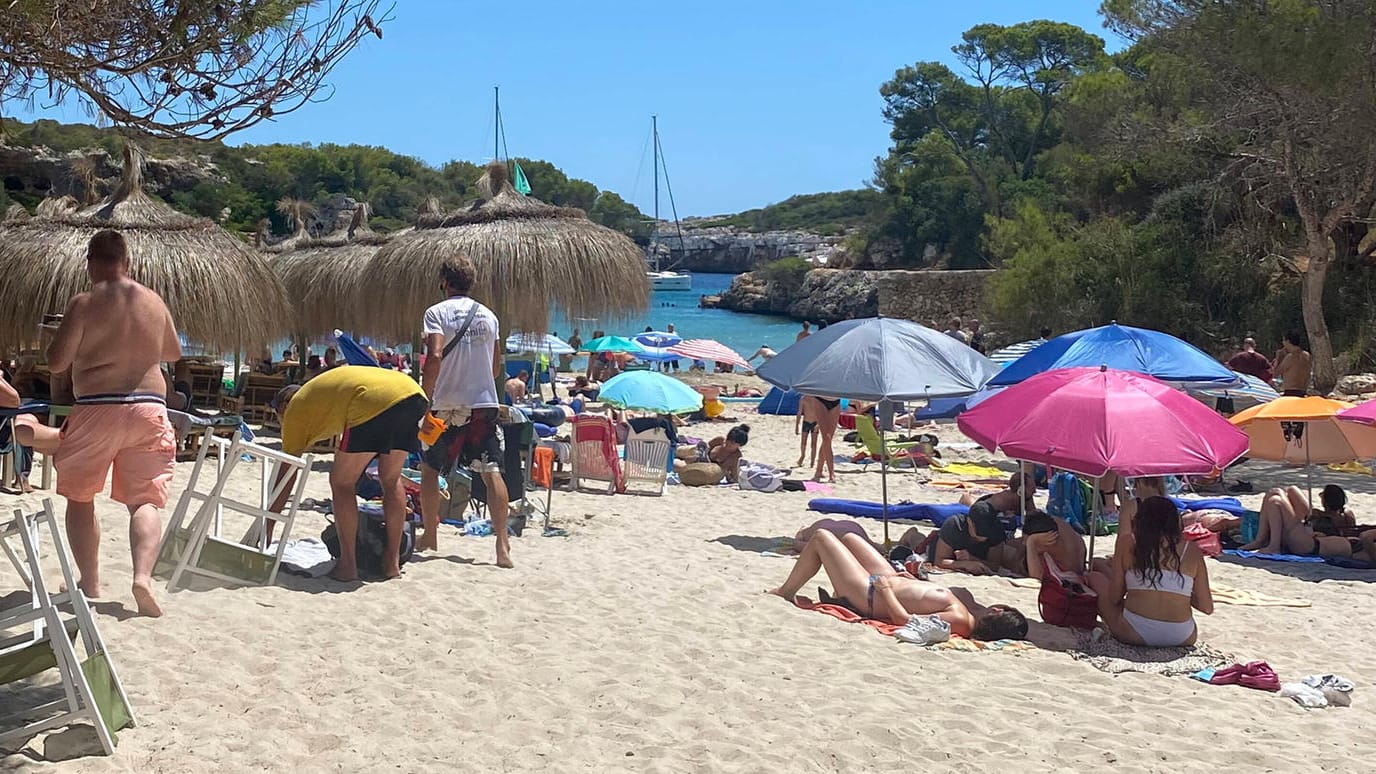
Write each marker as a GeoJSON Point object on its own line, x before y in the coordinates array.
{"type": "Point", "coordinates": [522, 185]}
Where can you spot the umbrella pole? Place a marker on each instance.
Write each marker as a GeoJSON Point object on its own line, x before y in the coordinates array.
{"type": "Point", "coordinates": [1089, 557]}
{"type": "Point", "coordinates": [884, 485]}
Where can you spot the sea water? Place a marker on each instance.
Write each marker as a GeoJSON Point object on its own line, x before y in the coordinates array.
{"type": "Point", "coordinates": [745, 333]}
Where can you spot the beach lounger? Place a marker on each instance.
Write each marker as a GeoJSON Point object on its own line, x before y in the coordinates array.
{"type": "Point", "coordinates": [199, 547]}
{"type": "Point", "coordinates": [594, 454]}
{"type": "Point", "coordinates": [647, 460]}
{"type": "Point", "coordinates": [42, 633]}
{"type": "Point", "coordinates": [876, 446]}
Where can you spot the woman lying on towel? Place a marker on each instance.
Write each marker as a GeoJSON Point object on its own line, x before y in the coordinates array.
{"type": "Point", "coordinates": [866, 583]}
{"type": "Point", "coordinates": [1148, 595]}
{"type": "Point", "coordinates": [1283, 531]}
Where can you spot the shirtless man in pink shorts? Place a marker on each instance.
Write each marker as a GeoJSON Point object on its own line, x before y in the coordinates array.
{"type": "Point", "coordinates": [114, 339]}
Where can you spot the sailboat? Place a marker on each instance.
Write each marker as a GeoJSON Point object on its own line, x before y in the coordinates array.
{"type": "Point", "coordinates": [664, 279]}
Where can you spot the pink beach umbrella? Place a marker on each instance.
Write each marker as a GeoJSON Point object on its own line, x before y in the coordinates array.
{"type": "Point", "coordinates": [709, 351]}
{"type": "Point", "coordinates": [1364, 413]}
{"type": "Point", "coordinates": [1094, 420]}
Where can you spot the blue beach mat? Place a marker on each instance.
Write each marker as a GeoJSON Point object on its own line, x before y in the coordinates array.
{"type": "Point", "coordinates": [1274, 557]}
{"type": "Point", "coordinates": [1229, 504]}
{"type": "Point", "coordinates": [935, 513]}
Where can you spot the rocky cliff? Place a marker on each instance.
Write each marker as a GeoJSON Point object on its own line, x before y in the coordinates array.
{"type": "Point", "coordinates": [725, 250]}
{"type": "Point", "coordinates": [830, 295]}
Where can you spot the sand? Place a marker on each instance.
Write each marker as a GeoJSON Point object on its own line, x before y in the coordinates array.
{"type": "Point", "coordinates": [642, 642]}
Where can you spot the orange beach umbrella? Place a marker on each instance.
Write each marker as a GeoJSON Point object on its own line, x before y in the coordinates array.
{"type": "Point", "coordinates": [1304, 431]}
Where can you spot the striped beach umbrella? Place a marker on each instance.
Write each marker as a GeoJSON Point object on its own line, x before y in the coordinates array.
{"type": "Point", "coordinates": [709, 351]}
{"type": "Point", "coordinates": [1014, 351]}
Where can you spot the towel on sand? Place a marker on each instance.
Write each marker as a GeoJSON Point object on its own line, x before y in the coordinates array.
{"type": "Point", "coordinates": [971, 469]}
{"type": "Point", "coordinates": [1109, 655]}
{"type": "Point", "coordinates": [887, 629]}
{"type": "Point", "coordinates": [1245, 597]}
{"type": "Point", "coordinates": [1274, 557]}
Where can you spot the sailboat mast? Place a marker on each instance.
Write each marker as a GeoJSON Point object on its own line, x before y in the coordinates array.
{"type": "Point", "coordinates": [497, 123]}
{"type": "Point", "coordinates": [654, 122]}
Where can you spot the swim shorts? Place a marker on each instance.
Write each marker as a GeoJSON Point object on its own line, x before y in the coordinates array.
{"type": "Point", "coordinates": [134, 438]}
{"type": "Point", "coordinates": [472, 439]}
{"type": "Point", "coordinates": [392, 430]}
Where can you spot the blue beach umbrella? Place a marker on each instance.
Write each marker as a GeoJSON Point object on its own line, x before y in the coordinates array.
{"type": "Point", "coordinates": [353, 353]}
{"type": "Point", "coordinates": [1120, 348]}
{"type": "Point", "coordinates": [658, 339]}
{"type": "Point", "coordinates": [879, 358]}
{"type": "Point", "coordinates": [650, 391]}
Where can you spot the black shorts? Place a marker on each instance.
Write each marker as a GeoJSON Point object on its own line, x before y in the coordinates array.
{"type": "Point", "coordinates": [476, 444]}
{"type": "Point", "coordinates": [809, 427]}
{"type": "Point", "coordinates": [396, 429]}
{"type": "Point", "coordinates": [1294, 393]}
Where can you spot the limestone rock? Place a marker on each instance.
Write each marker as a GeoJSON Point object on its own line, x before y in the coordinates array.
{"type": "Point", "coordinates": [1356, 384]}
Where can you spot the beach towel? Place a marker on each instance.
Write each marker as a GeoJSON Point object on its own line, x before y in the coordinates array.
{"type": "Point", "coordinates": [1274, 557]}
{"type": "Point", "coordinates": [971, 469]}
{"type": "Point", "coordinates": [1109, 655]}
{"type": "Point", "coordinates": [905, 511]}
{"type": "Point", "coordinates": [887, 629]}
{"type": "Point", "coordinates": [1247, 598]}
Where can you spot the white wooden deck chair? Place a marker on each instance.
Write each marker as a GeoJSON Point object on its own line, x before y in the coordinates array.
{"type": "Point", "coordinates": [594, 454]}
{"type": "Point", "coordinates": [51, 626]}
{"type": "Point", "coordinates": [200, 548]}
{"type": "Point", "coordinates": [647, 461]}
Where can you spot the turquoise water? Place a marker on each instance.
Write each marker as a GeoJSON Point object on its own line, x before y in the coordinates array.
{"type": "Point", "coordinates": [741, 332]}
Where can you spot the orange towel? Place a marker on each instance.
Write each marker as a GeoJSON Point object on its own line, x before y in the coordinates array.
{"type": "Point", "coordinates": [542, 471]}
{"type": "Point", "coordinates": [843, 614]}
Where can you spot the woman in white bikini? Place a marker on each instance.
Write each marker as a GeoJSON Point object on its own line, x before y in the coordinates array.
{"type": "Point", "coordinates": [1149, 594]}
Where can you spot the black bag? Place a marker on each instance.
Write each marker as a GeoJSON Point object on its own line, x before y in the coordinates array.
{"type": "Point", "coordinates": [371, 545]}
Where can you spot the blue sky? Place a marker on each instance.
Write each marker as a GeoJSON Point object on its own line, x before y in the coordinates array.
{"type": "Point", "coordinates": [757, 99]}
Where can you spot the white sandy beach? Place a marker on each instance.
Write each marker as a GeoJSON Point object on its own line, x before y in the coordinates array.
{"type": "Point", "coordinates": [643, 642]}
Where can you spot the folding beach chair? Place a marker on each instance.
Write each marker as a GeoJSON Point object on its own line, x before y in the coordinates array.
{"type": "Point", "coordinates": [877, 447]}
{"type": "Point", "coordinates": [199, 547]}
{"type": "Point", "coordinates": [41, 633]}
{"type": "Point", "coordinates": [647, 460]}
{"type": "Point", "coordinates": [594, 454]}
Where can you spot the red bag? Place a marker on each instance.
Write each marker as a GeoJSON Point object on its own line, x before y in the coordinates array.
{"type": "Point", "coordinates": [1207, 541]}
{"type": "Point", "coordinates": [1066, 599]}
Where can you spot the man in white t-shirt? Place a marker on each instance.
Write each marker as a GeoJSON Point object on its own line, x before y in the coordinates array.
{"type": "Point", "coordinates": [461, 367]}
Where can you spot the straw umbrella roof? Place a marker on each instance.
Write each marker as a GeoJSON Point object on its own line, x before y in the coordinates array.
{"type": "Point", "coordinates": [531, 258]}
{"type": "Point", "coordinates": [221, 293]}
{"type": "Point", "coordinates": [321, 276]}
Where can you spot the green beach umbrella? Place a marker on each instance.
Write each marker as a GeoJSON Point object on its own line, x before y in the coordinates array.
{"type": "Point", "coordinates": [612, 344]}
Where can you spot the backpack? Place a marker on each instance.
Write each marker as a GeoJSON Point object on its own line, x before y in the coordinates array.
{"type": "Point", "coordinates": [371, 545]}
{"type": "Point", "coordinates": [1066, 499]}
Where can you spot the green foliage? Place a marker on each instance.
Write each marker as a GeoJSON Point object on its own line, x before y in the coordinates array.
{"type": "Point", "coordinates": [785, 273]}
{"type": "Point", "coordinates": [257, 176]}
{"type": "Point", "coordinates": [824, 213]}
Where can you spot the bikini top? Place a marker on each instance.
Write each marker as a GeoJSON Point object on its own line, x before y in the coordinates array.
{"type": "Point", "coordinates": [1171, 582]}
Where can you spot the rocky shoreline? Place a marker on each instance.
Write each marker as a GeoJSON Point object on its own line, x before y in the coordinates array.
{"type": "Point", "coordinates": [831, 295]}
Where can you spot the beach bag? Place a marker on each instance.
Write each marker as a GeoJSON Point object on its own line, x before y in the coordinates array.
{"type": "Point", "coordinates": [700, 474]}
{"type": "Point", "coordinates": [1065, 598]}
{"type": "Point", "coordinates": [758, 477]}
{"type": "Point", "coordinates": [371, 545]}
{"type": "Point", "coordinates": [1209, 543]}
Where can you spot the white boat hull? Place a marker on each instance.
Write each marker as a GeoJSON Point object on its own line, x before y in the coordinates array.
{"type": "Point", "coordinates": [669, 280]}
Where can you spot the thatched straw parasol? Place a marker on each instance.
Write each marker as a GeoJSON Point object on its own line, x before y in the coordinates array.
{"type": "Point", "coordinates": [321, 276]}
{"type": "Point", "coordinates": [531, 258]}
{"type": "Point", "coordinates": [220, 292]}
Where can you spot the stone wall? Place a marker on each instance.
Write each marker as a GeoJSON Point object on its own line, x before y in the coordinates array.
{"type": "Point", "coordinates": [924, 296]}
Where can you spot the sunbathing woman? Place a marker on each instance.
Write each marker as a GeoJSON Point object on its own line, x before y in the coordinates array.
{"type": "Point", "coordinates": [1282, 529]}
{"type": "Point", "coordinates": [726, 452]}
{"type": "Point", "coordinates": [869, 585]}
{"type": "Point", "coordinates": [1149, 594]}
